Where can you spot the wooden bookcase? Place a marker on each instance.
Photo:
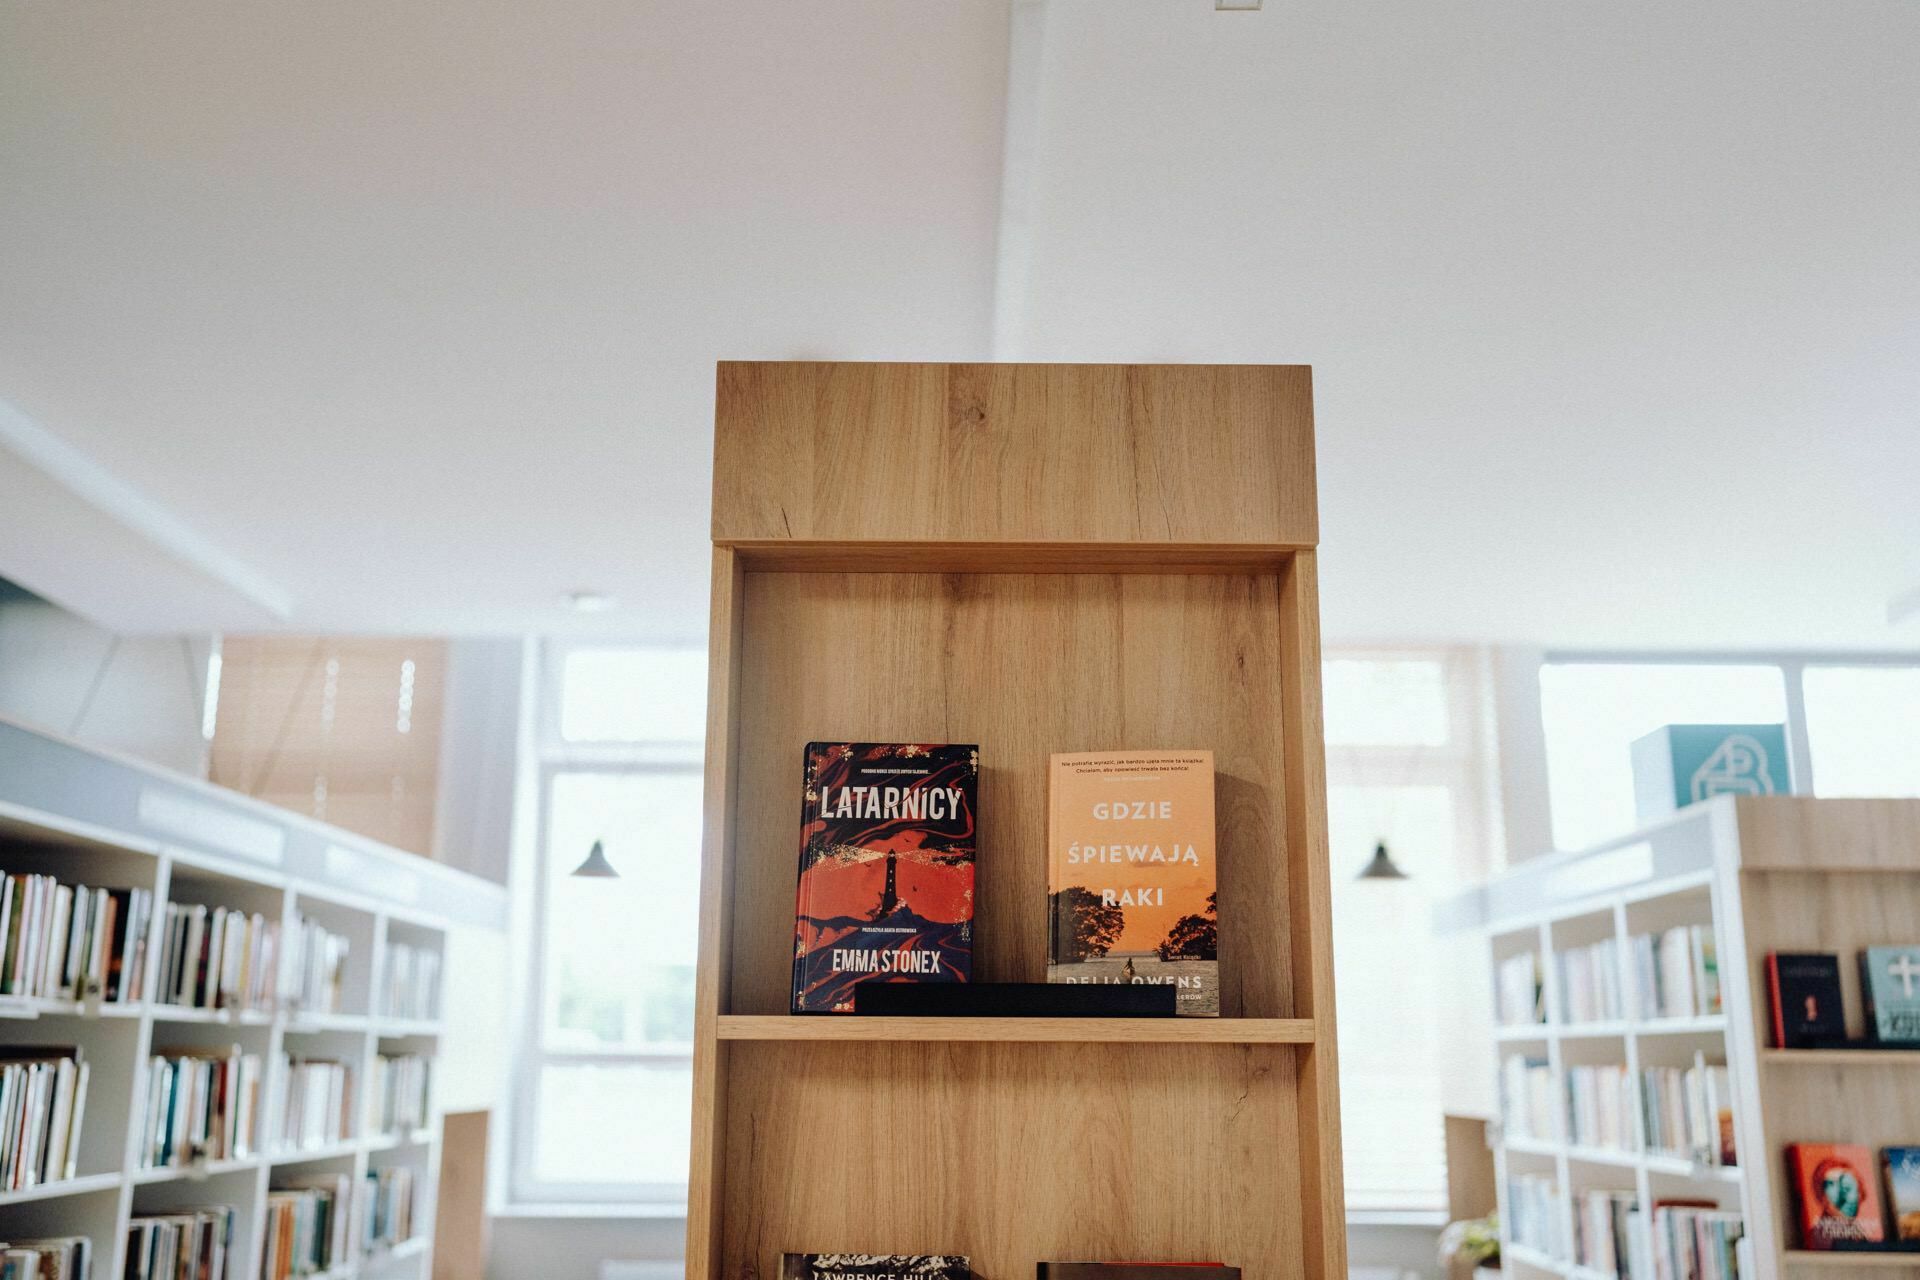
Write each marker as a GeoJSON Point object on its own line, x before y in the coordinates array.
{"type": "Point", "coordinates": [1036, 558]}
{"type": "Point", "coordinates": [1768, 874]}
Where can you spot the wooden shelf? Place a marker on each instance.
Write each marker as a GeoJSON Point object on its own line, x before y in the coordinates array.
{"type": "Point", "coordinates": [1851, 1258]}
{"type": "Point", "coordinates": [1837, 1057]}
{"type": "Point", "coordinates": [1023, 1030]}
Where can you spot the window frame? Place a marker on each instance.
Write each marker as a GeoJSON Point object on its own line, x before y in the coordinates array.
{"type": "Point", "coordinates": [552, 758]}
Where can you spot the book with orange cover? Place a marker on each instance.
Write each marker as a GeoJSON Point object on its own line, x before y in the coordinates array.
{"type": "Point", "coordinates": [1836, 1186]}
{"type": "Point", "coordinates": [1131, 874]}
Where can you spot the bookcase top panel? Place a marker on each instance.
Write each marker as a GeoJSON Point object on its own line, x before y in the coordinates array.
{"type": "Point", "coordinates": [1014, 453]}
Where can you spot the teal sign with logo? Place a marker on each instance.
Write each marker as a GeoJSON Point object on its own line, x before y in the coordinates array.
{"type": "Point", "coordinates": [1682, 764]}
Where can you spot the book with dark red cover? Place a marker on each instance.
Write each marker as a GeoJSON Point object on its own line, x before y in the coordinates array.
{"type": "Point", "coordinates": [1836, 1187]}
{"type": "Point", "coordinates": [887, 833]}
{"type": "Point", "coordinates": [1137, 1271]}
{"type": "Point", "coordinates": [1803, 993]}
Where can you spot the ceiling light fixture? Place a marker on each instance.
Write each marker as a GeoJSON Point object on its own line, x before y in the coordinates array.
{"type": "Point", "coordinates": [584, 601]}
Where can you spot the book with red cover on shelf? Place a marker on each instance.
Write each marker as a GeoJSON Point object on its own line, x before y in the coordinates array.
{"type": "Point", "coordinates": [887, 840]}
{"type": "Point", "coordinates": [1836, 1187]}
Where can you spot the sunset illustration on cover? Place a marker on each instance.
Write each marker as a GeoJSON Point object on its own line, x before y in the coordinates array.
{"type": "Point", "coordinates": [886, 869]}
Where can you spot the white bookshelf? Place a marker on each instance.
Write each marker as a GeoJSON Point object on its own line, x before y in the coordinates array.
{"type": "Point", "coordinates": [118, 1039]}
{"type": "Point", "coordinates": [1767, 874]}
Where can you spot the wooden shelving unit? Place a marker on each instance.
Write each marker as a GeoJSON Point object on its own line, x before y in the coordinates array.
{"type": "Point", "coordinates": [1035, 558]}
{"type": "Point", "coordinates": [1769, 874]}
{"type": "Point", "coordinates": [118, 1039]}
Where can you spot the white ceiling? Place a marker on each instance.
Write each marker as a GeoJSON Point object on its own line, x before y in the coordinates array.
{"type": "Point", "coordinates": [402, 315]}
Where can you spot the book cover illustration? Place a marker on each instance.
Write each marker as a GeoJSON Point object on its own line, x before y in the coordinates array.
{"type": "Point", "coordinates": [1804, 991]}
{"type": "Point", "coordinates": [1834, 1186]}
{"type": "Point", "coordinates": [1890, 986]}
{"type": "Point", "coordinates": [1131, 876]}
{"type": "Point", "coordinates": [874, 1266]}
{"type": "Point", "coordinates": [1903, 1192]}
{"type": "Point", "coordinates": [887, 835]}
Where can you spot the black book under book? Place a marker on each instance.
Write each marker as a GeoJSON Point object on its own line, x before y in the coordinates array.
{"type": "Point", "coordinates": [1014, 1000]}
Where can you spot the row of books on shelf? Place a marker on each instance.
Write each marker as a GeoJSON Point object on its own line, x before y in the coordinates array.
{"type": "Point", "coordinates": [1674, 973]}
{"type": "Point", "coordinates": [43, 1100]}
{"type": "Point", "coordinates": [1685, 1112]}
{"type": "Point", "coordinates": [194, 1243]}
{"type": "Point", "coordinates": [1679, 1240]}
{"type": "Point", "coordinates": [315, 1224]}
{"type": "Point", "coordinates": [886, 887]}
{"type": "Point", "coordinates": [54, 1258]}
{"type": "Point", "coordinates": [61, 941]}
{"type": "Point", "coordinates": [1533, 1213]}
{"type": "Point", "coordinates": [1808, 1010]}
{"type": "Point", "coordinates": [1848, 1201]}
{"type": "Point", "coordinates": [953, 1266]}
{"type": "Point", "coordinates": [412, 982]}
{"type": "Point", "coordinates": [70, 942]}
{"type": "Point", "coordinates": [202, 1106]}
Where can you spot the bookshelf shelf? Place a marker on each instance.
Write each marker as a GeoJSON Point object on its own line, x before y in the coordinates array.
{"type": "Point", "coordinates": [1532, 1258]}
{"type": "Point", "coordinates": [1030, 1030]}
{"type": "Point", "coordinates": [62, 1187]}
{"type": "Point", "coordinates": [1841, 1057]}
{"type": "Point", "coordinates": [1037, 559]}
{"type": "Point", "coordinates": [1761, 874]}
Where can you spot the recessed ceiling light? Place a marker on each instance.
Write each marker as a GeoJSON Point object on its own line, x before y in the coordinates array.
{"type": "Point", "coordinates": [589, 601]}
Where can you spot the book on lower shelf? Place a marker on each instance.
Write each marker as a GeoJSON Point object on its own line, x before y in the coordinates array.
{"type": "Point", "coordinates": [1687, 1112]}
{"type": "Point", "coordinates": [1520, 995]}
{"type": "Point", "coordinates": [219, 958]}
{"type": "Point", "coordinates": [316, 967]}
{"type": "Point", "coordinates": [1604, 1224]}
{"type": "Point", "coordinates": [387, 1207]}
{"type": "Point", "coordinates": [874, 1266]}
{"type": "Point", "coordinates": [1527, 1098]}
{"type": "Point", "coordinates": [1533, 1213]}
{"type": "Point", "coordinates": [1590, 983]}
{"type": "Point", "coordinates": [1695, 1240]}
{"type": "Point", "coordinates": [43, 1098]}
{"type": "Point", "coordinates": [196, 1243]}
{"type": "Point", "coordinates": [1136, 1271]}
{"type": "Point", "coordinates": [1836, 1190]}
{"type": "Point", "coordinates": [401, 1085]}
{"type": "Point", "coordinates": [1131, 884]}
{"type": "Point", "coordinates": [199, 1106]}
{"type": "Point", "coordinates": [307, 1229]}
{"type": "Point", "coordinates": [316, 1107]}
{"type": "Point", "coordinates": [63, 941]}
{"type": "Point", "coordinates": [57, 1258]}
{"type": "Point", "coordinates": [1600, 1103]}
{"type": "Point", "coordinates": [1677, 973]}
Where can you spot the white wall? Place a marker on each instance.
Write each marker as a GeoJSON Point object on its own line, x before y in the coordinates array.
{"type": "Point", "coordinates": [140, 695]}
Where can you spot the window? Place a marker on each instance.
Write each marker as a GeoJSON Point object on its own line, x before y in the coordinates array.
{"type": "Point", "coordinates": [1861, 728]}
{"type": "Point", "coordinates": [605, 1093]}
{"type": "Point", "coordinates": [1592, 712]}
{"type": "Point", "coordinates": [1847, 726]}
{"type": "Point", "coordinates": [1403, 769]}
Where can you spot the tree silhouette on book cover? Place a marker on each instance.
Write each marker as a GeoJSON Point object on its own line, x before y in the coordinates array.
{"type": "Point", "coordinates": [886, 869]}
